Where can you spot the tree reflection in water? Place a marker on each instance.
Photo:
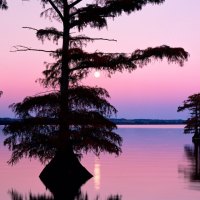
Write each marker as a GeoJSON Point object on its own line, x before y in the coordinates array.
{"type": "Point", "coordinates": [80, 196]}
{"type": "Point", "coordinates": [192, 171]}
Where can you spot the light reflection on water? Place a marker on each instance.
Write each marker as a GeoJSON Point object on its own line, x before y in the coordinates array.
{"type": "Point", "coordinates": [97, 174]}
{"type": "Point", "coordinates": [149, 168]}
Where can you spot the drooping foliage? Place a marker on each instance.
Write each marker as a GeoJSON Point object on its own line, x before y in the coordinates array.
{"type": "Point", "coordinates": [77, 112]}
{"type": "Point", "coordinates": [192, 104]}
{"type": "Point", "coordinates": [36, 133]}
{"type": "Point", "coordinates": [81, 63]}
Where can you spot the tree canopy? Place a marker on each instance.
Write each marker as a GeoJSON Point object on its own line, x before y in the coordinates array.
{"type": "Point", "coordinates": [192, 104]}
{"type": "Point", "coordinates": [36, 134]}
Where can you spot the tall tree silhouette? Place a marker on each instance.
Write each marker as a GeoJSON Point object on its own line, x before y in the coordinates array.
{"type": "Point", "coordinates": [72, 65]}
{"type": "Point", "coordinates": [193, 123]}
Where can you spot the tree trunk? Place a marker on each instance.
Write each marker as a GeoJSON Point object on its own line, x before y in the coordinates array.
{"type": "Point", "coordinates": [64, 173]}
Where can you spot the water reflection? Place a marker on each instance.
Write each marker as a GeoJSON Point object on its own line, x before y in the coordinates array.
{"type": "Point", "coordinates": [147, 169]}
{"type": "Point", "coordinates": [15, 195]}
{"type": "Point", "coordinates": [64, 175]}
{"type": "Point", "coordinates": [192, 171]}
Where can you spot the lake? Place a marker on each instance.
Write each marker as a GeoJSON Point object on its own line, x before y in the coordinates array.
{"type": "Point", "coordinates": [157, 163]}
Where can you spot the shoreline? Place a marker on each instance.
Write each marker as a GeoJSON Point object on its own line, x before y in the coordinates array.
{"type": "Point", "coordinates": [121, 121]}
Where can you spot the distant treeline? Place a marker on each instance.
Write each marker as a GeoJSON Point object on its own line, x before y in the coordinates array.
{"type": "Point", "coordinates": [4, 121]}
{"type": "Point", "coordinates": [147, 121]}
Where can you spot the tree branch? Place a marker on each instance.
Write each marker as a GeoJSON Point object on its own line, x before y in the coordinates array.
{"type": "Point", "coordinates": [27, 27]}
{"type": "Point", "coordinates": [24, 48]}
{"type": "Point", "coordinates": [88, 38]}
{"type": "Point", "coordinates": [79, 68]}
{"type": "Point", "coordinates": [74, 3]}
{"type": "Point", "coordinates": [50, 92]}
{"type": "Point", "coordinates": [56, 9]}
{"type": "Point", "coordinates": [76, 38]}
{"type": "Point", "coordinates": [76, 12]}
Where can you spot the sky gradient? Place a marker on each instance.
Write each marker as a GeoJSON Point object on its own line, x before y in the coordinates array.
{"type": "Point", "coordinates": [152, 92]}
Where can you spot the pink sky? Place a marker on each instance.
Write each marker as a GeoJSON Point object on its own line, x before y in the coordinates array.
{"type": "Point", "coordinates": [152, 92]}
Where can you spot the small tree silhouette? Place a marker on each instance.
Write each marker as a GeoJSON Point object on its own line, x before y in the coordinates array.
{"type": "Point", "coordinates": [193, 123]}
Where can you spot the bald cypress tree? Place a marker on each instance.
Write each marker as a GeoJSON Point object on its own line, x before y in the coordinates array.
{"type": "Point", "coordinates": [192, 104]}
{"type": "Point", "coordinates": [69, 118]}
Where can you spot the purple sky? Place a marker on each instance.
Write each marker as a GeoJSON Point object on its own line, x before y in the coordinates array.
{"type": "Point", "coordinates": [152, 92]}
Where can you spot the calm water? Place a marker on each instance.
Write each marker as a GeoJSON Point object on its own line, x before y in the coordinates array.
{"type": "Point", "coordinates": [157, 163]}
